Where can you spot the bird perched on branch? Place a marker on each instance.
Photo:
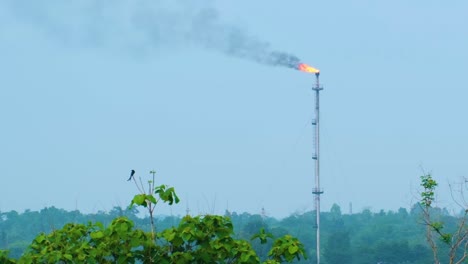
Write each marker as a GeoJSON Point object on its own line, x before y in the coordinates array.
{"type": "Point", "coordinates": [131, 175]}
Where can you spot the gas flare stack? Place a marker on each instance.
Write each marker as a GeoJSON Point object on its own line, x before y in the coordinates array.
{"type": "Point", "coordinates": [317, 191]}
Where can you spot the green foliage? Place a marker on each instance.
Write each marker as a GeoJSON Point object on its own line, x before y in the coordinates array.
{"type": "Point", "coordinates": [363, 237]}
{"type": "Point", "coordinates": [204, 239]}
{"type": "Point", "coordinates": [429, 185]}
{"type": "Point", "coordinates": [147, 200]}
{"type": "Point", "coordinates": [287, 249]}
{"type": "Point", "coordinates": [456, 239]}
{"type": "Point", "coordinates": [427, 198]}
{"type": "Point", "coordinates": [165, 193]}
{"type": "Point", "coordinates": [338, 248]}
{"type": "Point", "coordinates": [91, 243]}
{"type": "Point", "coordinates": [262, 235]}
{"type": "Point", "coordinates": [199, 239]}
{"type": "Point", "coordinates": [4, 259]}
{"type": "Point", "coordinates": [143, 200]}
{"type": "Point", "coordinates": [371, 235]}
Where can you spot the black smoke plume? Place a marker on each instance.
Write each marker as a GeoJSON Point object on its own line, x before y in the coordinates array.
{"type": "Point", "coordinates": [139, 25]}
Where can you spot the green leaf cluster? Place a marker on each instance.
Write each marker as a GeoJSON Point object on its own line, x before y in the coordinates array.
{"type": "Point", "coordinates": [429, 185]}
{"type": "Point", "coordinates": [199, 239]}
{"type": "Point", "coordinates": [456, 240]}
{"type": "Point", "coordinates": [167, 194]}
{"type": "Point", "coordinates": [4, 259]}
{"type": "Point", "coordinates": [286, 249]}
{"type": "Point", "coordinates": [91, 243]}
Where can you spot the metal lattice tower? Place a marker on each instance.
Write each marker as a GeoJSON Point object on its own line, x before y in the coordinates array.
{"type": "Point", "coordinates": [317, 191]}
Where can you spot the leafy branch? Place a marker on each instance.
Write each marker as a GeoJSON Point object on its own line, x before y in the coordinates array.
{"type": "Point", "coordinates": [148, 200]}
{"type": "Point", "coordinates": [457, 241]}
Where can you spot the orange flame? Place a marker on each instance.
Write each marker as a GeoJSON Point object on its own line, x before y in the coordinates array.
{"type": "Point", "coordinates": [306, 68]}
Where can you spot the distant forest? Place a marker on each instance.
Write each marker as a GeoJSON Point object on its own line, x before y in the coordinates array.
{"type": "Point", "coordinates": [365, 237]}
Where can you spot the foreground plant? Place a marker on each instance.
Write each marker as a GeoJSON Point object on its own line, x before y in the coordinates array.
{"type": "Point", "coordinates": [199, 239]}
{"type": "Point", "coordinates": [457, 241]}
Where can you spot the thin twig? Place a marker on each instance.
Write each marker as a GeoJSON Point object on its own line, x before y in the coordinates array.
{"type": "Point", "coordinates": [138, 187]}
{"type": "Point", "coordinates": [142, 186]}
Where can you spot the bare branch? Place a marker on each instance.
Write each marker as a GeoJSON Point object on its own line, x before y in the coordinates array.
{"type": "Point", "coordinates": [138, 187]}
{"type": "Point", "coordinates": [453, 197]}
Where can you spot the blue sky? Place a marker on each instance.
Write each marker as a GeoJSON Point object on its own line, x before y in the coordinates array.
{"type": "Point", "coordinates": [90, 91]}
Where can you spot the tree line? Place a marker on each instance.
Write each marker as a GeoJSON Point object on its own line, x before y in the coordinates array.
{"type": "Point", "coordinates": [364, 237]}
{"type": "Point", "coordinates": [422, 235]}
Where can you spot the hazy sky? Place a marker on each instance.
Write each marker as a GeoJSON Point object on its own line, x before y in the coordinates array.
{"type": "Point", "coordinates": [92, 89]}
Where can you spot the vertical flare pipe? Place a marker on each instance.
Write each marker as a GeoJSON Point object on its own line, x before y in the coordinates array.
{"type": "Point", "coordinates": [317, 190]}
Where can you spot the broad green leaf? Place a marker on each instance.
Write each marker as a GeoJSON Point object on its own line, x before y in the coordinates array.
{"type": "Point", "coordinates": [293, 249]}
{"type": "Point", "coordinates": [40, 238]}
{"type": "Point", "coordinates": [97, 235]}
{"type": "Point", "coordinates": [151, 198]}
{"type": "Point", "coordinates": [139, 199]}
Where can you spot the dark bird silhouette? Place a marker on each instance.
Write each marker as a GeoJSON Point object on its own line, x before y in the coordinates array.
{"type": "Point", "coordinates": [131, 175]}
